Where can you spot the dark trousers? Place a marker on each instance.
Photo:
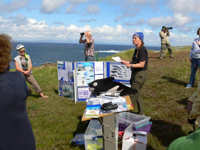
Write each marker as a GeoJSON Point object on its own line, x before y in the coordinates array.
{"type": "Point", "coordinates": [138, 79]}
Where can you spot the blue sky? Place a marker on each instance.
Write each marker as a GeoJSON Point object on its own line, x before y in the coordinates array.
{"type": "Point", "coordinates": [110, 21]}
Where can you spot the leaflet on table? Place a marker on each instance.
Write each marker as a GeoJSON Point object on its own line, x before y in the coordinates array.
{"type": "Point", "coordinates": [94, 103]}
{"type": "Point", "coordinates": [92, 113]}
{"type": "Point", "coordinates": [105, 99]}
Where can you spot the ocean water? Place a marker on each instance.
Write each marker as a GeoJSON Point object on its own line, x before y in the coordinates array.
{"type": "Point", "coordinates": [41, 53]}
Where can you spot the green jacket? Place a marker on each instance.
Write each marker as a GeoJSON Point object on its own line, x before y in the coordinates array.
{"type": "Point", "coordinates": [190, 142]}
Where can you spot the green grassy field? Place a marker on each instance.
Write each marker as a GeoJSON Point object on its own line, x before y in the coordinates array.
{"type": "Point", "coordinates": [56, 120]}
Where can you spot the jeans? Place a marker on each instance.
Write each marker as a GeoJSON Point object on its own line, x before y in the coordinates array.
{"type": "Point", "coordinates": [194, 66]}
{"type": "Point", "coordinates": [89, 58]}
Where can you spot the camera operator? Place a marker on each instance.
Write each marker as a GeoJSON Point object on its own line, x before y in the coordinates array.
{"type": "Point", "coordinates": [164, 33]}
{"type": "Point", "coordinates": [89, 45]}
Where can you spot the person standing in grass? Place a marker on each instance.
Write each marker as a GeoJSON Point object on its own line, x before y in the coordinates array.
{"type": "Point", "coordinates": [89, 45]}
{"type": "Point", "coordinates": [23, 64]}
{"type": "Point", "coordinates": [164, 33]}
{"type": "Point", "coordinates": [138, 66]}
{"type": "Point", "coordinates": [194, 59]}
{"type": "Point", "coordinates": [15, 128]}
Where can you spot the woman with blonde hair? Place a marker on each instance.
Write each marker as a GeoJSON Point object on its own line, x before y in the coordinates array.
{"type": "Point", "coordinates": [15, 128]}
{"type": "Point", "coordinates": [23, 64]}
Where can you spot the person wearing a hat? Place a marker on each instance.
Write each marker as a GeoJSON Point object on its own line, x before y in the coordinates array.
{"type": "Point", "coordinates": [23, 64]}
{"type": "Point", "coordinates": [138, 66]}
{"type": "Point", "coordinates": [89, 45]}
{"type": "Point", "coordinates": [164, 33]}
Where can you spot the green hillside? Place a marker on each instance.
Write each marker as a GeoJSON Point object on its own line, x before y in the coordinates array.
{"type": "Point", "coordinates": [56, 120]}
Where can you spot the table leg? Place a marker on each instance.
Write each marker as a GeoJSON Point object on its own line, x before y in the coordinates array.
{"type": "Point", "coordinates": [110, 133]}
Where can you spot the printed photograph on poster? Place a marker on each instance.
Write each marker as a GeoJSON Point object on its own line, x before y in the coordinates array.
{"type": "Point", "coordinates": [83, 93]}
{"type": "Point", "coordinates": [98, 67]}
{"type": "Point", "coordinates": [70, 76]}
{"type": "Point", "coordinates": [119, 71]}
{"type": "Point", "coordinates": [68, 91]}
{"type": "Point", "coordinates": [85, 73]}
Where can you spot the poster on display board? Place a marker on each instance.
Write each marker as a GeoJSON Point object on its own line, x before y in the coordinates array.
{"type": "Point", "coordinates": [74, 77]}
{"type": "Point", "coordinates": [65, 79]}
{"type": "Point", "coordinates": [86, 72]}
{"type": "Point", "coordinates": [119, 71]}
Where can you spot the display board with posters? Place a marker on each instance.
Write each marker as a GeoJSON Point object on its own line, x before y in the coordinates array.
{"type": "Point", "coordinates": [86, 72]}
{"type": "Point", "coordinates": [74, 77]}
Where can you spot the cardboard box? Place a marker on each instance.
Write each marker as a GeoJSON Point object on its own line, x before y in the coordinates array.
{"type": "Point", "coordinates": [136, 140]}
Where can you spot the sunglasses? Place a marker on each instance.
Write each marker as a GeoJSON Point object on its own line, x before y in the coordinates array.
{"type": "Point", "coordinates": [21, 51]}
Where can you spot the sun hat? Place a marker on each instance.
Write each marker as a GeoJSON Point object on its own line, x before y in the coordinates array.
{"type": "Point", "coordinates": [140, 35]}
{"type": "Point", "coordinates": [20, 46]}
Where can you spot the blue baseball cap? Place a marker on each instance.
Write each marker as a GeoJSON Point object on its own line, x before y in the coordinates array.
{"type": "Point", "coordinates": [140, 35]}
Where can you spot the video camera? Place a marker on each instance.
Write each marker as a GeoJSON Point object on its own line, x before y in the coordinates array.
{"type": "Point", "coordinates": [82, 33]}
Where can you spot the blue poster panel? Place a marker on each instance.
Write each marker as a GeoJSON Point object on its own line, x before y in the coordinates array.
{"type": "Point", "coordinates": [119, 71]}
{"type": "Point", "coordinates": [87, 72]}
{"type": "Point", "coordinates": [65, 79]}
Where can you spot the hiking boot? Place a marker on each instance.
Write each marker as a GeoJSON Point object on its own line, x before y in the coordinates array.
{"type": "Point", "coordinates": [160, 57]}
{"type": "Point", "coordinates": [171, 56]}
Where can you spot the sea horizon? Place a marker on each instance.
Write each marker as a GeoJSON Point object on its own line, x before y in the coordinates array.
{"type": "Point", "coordinates": [42, 52]}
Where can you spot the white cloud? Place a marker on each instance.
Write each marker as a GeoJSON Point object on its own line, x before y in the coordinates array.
{"type": "Point", "coordinates": [93, 9]}
{"type": "Point", "coordinates": [137, 23]}
{"type": "Point", "coordinates": [48, 6]}
{"type": "Point", "coordinates": [19, 20]}
{"type": "Point", "coordinates": [146, 31]}
{"type": "Point", "coordinates": [78, 1]}
{"type": "Point", "coordinates": [139, 2]}
{"type": "Point", "coordinates": [108, 30]}
{"type": "Point", "coordinates": [12, 6]}
{"type": "Point", "coordinates": [131, 8]}
{"type": "Point", "coordinates": [185, 6]}
{"type": "Point", "coordinates": [87, 20]}
{"type": "Point", "coordinates": [71, 9]}
{"type": "Point", "coordinates": [40, 31]}
{"type": "Point", "coordinates": [177, 20]}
